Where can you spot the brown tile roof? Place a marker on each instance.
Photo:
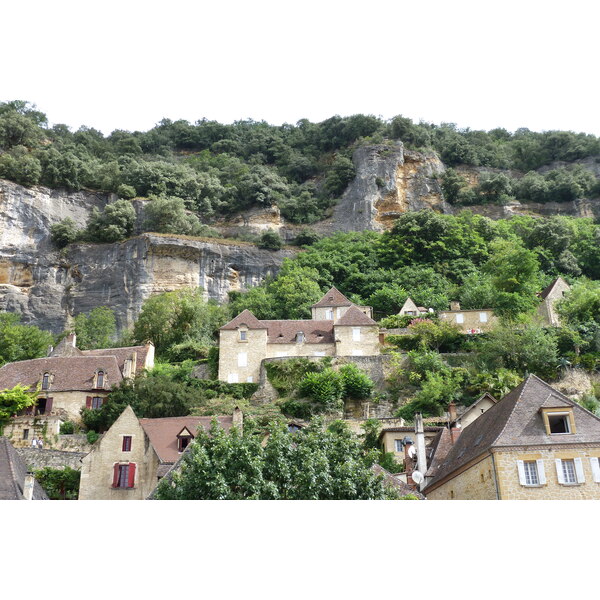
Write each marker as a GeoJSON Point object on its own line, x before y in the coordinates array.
{"type": "Point", "coordinates": [516, 421]}
{"type": "Point", "coordinates": [66, 347]}
{"type": "Point", "coordinates": [284, 332]}
{"type": "Point", "coordinates": [122, 354]}
{"type": "Point", "coordinates": [354, 316]}
{"type": "Point", "coordinates": [439, 450]}
{"type": "Point", "coordinates": [333, 298]}
{"type": "Point", "coordinates": [69, 373]}
{"type": "Point", "coordinates": [12, 475]}
{"type": "Point", "coordinates": [244, 318]}
{"type": "Point", "coordinates": [411, 429]}
{"type": "Point", "coordinates": [163, 432]}
{"type": "Point", "coordinates": [546, 291]}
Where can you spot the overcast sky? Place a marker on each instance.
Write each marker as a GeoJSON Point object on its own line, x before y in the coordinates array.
{"type": "Point", "coordinates": [480, 64]}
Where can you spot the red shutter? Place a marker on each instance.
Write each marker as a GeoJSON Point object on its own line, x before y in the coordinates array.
{"type": "Point", "coordinates": [115, 475]}
{"type": "Point", "coordinates": [88, 402]}
{"type": "Point", "coordinates": [48, 405]}
{"type": "Point", "coordinates": [131, 475]}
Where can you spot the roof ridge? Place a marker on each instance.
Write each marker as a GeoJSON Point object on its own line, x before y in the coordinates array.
{"type": "Point", "coordinates": [508, 417]}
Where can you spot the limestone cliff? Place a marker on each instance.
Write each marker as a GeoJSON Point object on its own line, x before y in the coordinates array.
{"type": "Point", "coordinates": [48, 287]}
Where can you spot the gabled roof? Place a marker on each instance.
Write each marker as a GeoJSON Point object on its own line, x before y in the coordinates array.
{"type": "Point", "coordinates": [546, 291]}
{"type": "Point", "coordinates": [516, 421]}
{"type": "Point", "coordinates": [284, 332]}
{"type": "Point", "coordinates": [482, 398]}
{"type": "Point", "coordinates": [333, 298]}
{"type": "Point", "coordinates": [13, 472]}
{"type": "Point", "coordinates": [244, 318]}
{"type": "Point", "coordinates": [163, 432]}
{"type": "Point", "coordinates": [354, 316]}
{"type": "Point", "coordinates": [122, 354]}
{"type": "Point", "coordinates": [72, 373]}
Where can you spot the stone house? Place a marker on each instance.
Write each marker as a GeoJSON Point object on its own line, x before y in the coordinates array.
{"type": "Point", "coordinates": [549, 297]}
{"type": "Point", "coordinates": [391, 439]}
{"type": "Point", "coordinates": [67, 380]}
{"type": "Point", "coordinates": [16, 483]}
{"type": "Point", "coordinates": [338, 328]}
{"type": "Point", "coordinates": [533, 444]}
{"type": "Point", "coordinates": [411, 309]}
{"type": "Point", "coordinates": [466, 415]}
{"type": "Point", "coordinates": [134, 454]}
{"type": "Point", "coordinates": [469, 321]}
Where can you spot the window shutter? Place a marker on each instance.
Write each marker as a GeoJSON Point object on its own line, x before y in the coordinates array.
{"type": "Point", "coordinates": [521, 469]}
{"type": "Point", "coordinates": [579, 470]}
{"type": "Point", "coordinates": [48, 405]}
{"type": "Point", "coordinates": [559, 471]}
{"type": "Point", "coordinates": [541, 471]}
{"type": "Point", "coordinates": [131, 480]}
{"type": "Point", "coordinates": [88, 402]}
{"type": "Point", "coordinates": [595, 463]}
{"type": "Point", "coordinates": [115, 475]}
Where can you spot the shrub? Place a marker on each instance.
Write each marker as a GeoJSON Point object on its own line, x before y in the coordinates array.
{"type": "Point", "coordinates": [357, 384]}
{"type": "Point", "coordinates": [92, 437]}
{"type": "Point", "coordinates": [64, 233]}
{"type": "Point", "coordinates": [325, 388]}
{"type": "Point", "coordinates": [270, 240]}
{"type": "Point", "coordinates": [67, 428]}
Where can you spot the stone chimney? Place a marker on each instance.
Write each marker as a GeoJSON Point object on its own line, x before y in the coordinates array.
{"type": "Point", "coordinates": [28, 486]}
{"type": "Point", "coordinates": [452, 412]}
{"type": "Point", "coordinates": [454, 305]}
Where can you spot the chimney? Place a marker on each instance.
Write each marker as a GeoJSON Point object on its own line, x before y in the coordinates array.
{"type": "Point", "coordinates": [421, 456]}
{"type": "Point", "coordinates": [452, 412]}
{"type": "Point", "coordinates": [454, 305]}
{"type": "Point", "coordinates": [28, 486]}
{"type": "Point", "coordinates": [454, 433]}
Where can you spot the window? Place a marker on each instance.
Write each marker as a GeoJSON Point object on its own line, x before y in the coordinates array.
{"type": "Point", "coordinates": [123, 475]}
{"type": "Point", "coordinates": [250, 379]}
{"type": "Point", "coordinates": [356, 334]}
{"type": "Point", "coordinates": [232, 378]}
{"type": "Point", "coordinates": [329, 314]}
{"type": "Point", "coordinates": [483, 317]}
{"type": "Point", "coordinates": [242, 359]}
{"type": "Point", "coordinates": [243, 335]}
{"type": "Point", "coordinates": [25, 434]}
{"type": "Point", "coordinates": [299, 337]}
{"type": "Point", "coordinates": [531, 472]}
{"type": "Point", "coordinates": [398, 445]}
{"type": "Point", "coordinates": [412, 313]}
{"type": "Point", "coordinates": [126, 443]}
{"type": "Point", "coordinates": [46, 381]}
{"type": "Point", "coordinates": [183, 442]}
{"type": "Point", "coordinates": [460, 318]}
{"type": "Point", "coordinates": [559, 423]}
{"type": "Point", "coordinates": [100, 380]}
{"type": "Point", "coordinates": [569, 471]}
{"type": "Point", "coordinates": [97, 402]}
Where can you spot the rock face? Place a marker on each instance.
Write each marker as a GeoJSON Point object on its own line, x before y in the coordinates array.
{"type": "Point", "coordinates": [48, 288]}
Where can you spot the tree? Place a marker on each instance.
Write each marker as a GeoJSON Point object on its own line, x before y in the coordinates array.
{"type": "Point", "coordinates": [59, 484]}
{"type": "Point", "coordinates": [270, 240]}
{"type": "Point", "coordinates": [96, 329]}
{"type": "Point", "coordinates": [312, 464]}
{"type": "Point", "coordinates": [168, 215]}
{"type": "Point", "coordinates": [64, 233]}
{"type": "Point", "coordinates": [21, 342]}
{"type": "Point", "coordinates": [14, 400]}
{"type": "Point", "coordinates": [114, 224]}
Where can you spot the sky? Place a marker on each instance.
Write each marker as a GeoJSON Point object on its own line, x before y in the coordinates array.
{"type": "Point", "coordinates": [128, 64]}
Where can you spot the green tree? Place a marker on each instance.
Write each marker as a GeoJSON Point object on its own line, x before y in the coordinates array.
{"type": "Point", "coordinates": [312, 464]}
{"type": "Point", "coordinates": [114, 224]}
{"type": "Point", "coordinates": [270, 240]}
{"type": "Point", "coordinates": [65, 232]}
{"type": "Point", "coordinates": [168, 215]}
{"type": "Point", "coordinates": [97, 329]}
{"type": "Point", "coordinates": [14, 400]}
{"type": "Point", "coordinates": [21, 342]}
{"type": "Point", "coordinates": [59, 484]}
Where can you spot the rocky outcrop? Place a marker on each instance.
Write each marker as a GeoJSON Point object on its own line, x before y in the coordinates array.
{"type": "Point", "coordinates": [48, 287]}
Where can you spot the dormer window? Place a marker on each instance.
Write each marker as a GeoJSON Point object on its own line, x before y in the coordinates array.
{"type": "Point", "coordinates": [559, 421]}
{"type": "Point", "coordinates": [46, 381]}
{"type": "Point", "coordinates": [243, 335]}
{"type": "Point", "coordinates": [299, 337]}
{"type": "Point", "coordinates": [100, 380]}
{"type": "Point", "coordinates": [184, 438]}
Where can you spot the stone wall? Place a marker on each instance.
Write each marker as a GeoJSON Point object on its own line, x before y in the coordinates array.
{"type": "Point", "coordinates": [55, 459]}
{"type": "Point", "coordinates": [475, 483]}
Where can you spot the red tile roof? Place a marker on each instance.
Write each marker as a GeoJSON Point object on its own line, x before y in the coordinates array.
{"type": "Point", "coordinates": [163, 432]}
{"type": "Point", "coordinates": [354, 316]}
{"type": "Point", "coordinates": [333, 298]}
{"type": "Point", "coordinates": [244, 318]}
{"type": "Point", "coordinates": [284, 332]}
{"type": "Point", "coordinates": [122, 354]}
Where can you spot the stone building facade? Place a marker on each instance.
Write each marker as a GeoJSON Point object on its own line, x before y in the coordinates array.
{"type": "Point", "coordinates": [549, 297]}
{"type": "Point", "coordinates": [338, 328]}
{"type": "Point", "coordinates": [469, 321]}
{"type": "Point", "coordinates": [67, 380]}
{"type": "Point", "coordinates": [534, 444]}
{"type": "Point", "coordinates": [133, 455]}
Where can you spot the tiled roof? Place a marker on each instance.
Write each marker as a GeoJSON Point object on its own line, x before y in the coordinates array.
{"type": "Point", "coordinates": [439, 450]}
{"type": "Point", "coordinates": [12, 475]}
{"type": "Point", "coordinates": [354, 316]}
{"type": "Point", "coordinates": [410, 429]}
{"type": "Point", "coordinates": [122, 354]}
{"type": "Point", "coordinates": [244, 318]}
{"type": "Point", "coordinates": [163, 432]}
{"type": "Point", "coordinates": [516, 421]}
{"type": "Point", "coordinates": [333, 298]}
{"type": "Point", "coordinates": [284, 332]}
{"type": "Point", "coordinates": [69, 373]}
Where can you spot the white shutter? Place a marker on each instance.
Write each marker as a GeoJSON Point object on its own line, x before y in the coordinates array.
{"type": "Point", "coordinates": [559, 471]}
{"type": "Point", "coordinates": [595, 463]}
{"type": "Point", "coordinates": [356, 334]}
{"type": "Point", "coordinates": [232, 378]}
{"type": "Point", "coordinates": [460, 318]}
{"type": "Point", "coordinates": [579, 470]}
{"type": "Point", "coordinates": [541, 471]}
{"type": "Point", "coordinates": [521, 468]}
{"type": "Point", "coordinates": [242, 359]}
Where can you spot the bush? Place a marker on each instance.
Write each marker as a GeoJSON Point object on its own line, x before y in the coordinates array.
{"type": "Point", "coordinates": [325, 388]}
{"type": "Point", "coordinates": [59, 484]}
{"type": "Point", "coordinates": [357, 385]}
{"type": "Point", "coordinates": [114, 224]}
{"type": "Point", "coordinates": [67, 428]}
{"type": "Point", "coordinates": [64, 233]}
{"type": "Point", "coordinates": [270, 240]}
{"type": "Point", "coordinates": [92, 437]}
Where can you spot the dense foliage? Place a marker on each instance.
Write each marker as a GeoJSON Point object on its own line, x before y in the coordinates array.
{"type": "Point", "coordinates": [59, 484]}
{"type": "Point", "coordinates": [21, 342]}
{"type": "Point", "coordinates": [312, 464]}
{"type": "Point", "coordinates": [14, 400]}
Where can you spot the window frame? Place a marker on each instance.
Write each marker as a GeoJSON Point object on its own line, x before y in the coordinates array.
{"type": "Point", "coordinates": [126, 445]}
{"type": "Point", "coordinates": [100, 378]}
{"type": "Point", "coordinates": [534, 466]}
{"type": "Point", "coordinates": [45, 381]}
